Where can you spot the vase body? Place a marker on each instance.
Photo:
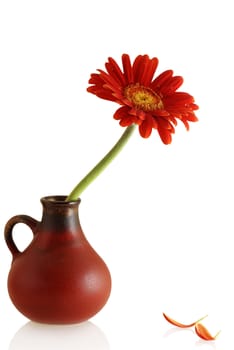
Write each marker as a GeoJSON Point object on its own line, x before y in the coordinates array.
{"type": "Point", "coordinates": [59, 278]}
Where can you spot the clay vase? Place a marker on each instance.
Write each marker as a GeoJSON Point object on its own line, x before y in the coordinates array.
{"type": "Point", "coordinates": [58, 278]}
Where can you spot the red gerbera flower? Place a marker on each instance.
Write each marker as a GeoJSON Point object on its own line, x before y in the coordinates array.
{"type": "Point", "coordinates": [149, 103]}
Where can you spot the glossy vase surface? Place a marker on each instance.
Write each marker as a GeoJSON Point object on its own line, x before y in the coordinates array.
{"type": "Point", "coordinates": [59, 278]}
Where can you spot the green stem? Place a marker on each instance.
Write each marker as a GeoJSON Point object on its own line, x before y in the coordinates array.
{"type": "Point", "coordinates": [98, 169]}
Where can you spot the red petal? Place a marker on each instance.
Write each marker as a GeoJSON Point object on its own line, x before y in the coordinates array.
{"type": "Point", "coordinates": [171, 85]}
{"type": "Point", "coordinates": [127, 68]}
{"type": "Point", "coordinates": [138, 64]}
{"type": "Point", "coordinates": [178, 99]}
{"type": "Point", "coordinates": [121, 113]}
{"type": "Point", "coordinates": [127, 121]}
{"type": "Point", "coordinates": [113, 69]}
{"type": "Point", "coordinates": [100, 92]}
{"type": "Point", "coordinates": [149, 71]}
{"type": "Point", "coordinates": [146, 126]}
{"type": "Point", "coordinates": [165, 136]}
{"type": "Point", "coordinates": [203, 333]}
{"type": "Point", "coordinates": [178, 324]}
{"type": "Point", "coordinates": [181, 325]}
{"type": "Point", "coordinates": [161, 79]}
{"type": "Point", "coordinates": [110, 80]}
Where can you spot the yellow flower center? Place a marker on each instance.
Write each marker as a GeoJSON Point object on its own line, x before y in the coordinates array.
{"type": "Point", "coordinates": [143, 98]}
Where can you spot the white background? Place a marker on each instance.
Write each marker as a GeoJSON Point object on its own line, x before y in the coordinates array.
{"type": "Point", "coordinates": [160, 216]}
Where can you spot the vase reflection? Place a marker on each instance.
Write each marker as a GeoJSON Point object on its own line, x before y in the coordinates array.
{"type": "Point", "coordinates": [36, 336]}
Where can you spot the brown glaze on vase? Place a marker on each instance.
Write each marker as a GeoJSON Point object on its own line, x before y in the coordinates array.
{"type": "Point", "coordinates": [58, 278]}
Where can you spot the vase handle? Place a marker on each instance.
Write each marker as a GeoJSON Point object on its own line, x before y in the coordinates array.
{"type": "Point", "coordinates": [23, 219]}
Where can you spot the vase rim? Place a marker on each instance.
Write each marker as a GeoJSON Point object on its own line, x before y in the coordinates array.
{"type": "Point", "coordinates": [58, 200]}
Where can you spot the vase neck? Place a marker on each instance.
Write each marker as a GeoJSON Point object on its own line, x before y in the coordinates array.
{"type": "Point", "coordinates": [59, 215]}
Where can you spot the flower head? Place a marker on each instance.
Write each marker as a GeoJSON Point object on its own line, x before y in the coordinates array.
{"type": "Point", "coordinates": [150, 103]}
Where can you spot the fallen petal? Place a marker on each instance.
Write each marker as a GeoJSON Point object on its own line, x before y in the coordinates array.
{"type": "Point", "coordinates": [203, 333]}
{"type": "Point", "coordinates": [181, 325]}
